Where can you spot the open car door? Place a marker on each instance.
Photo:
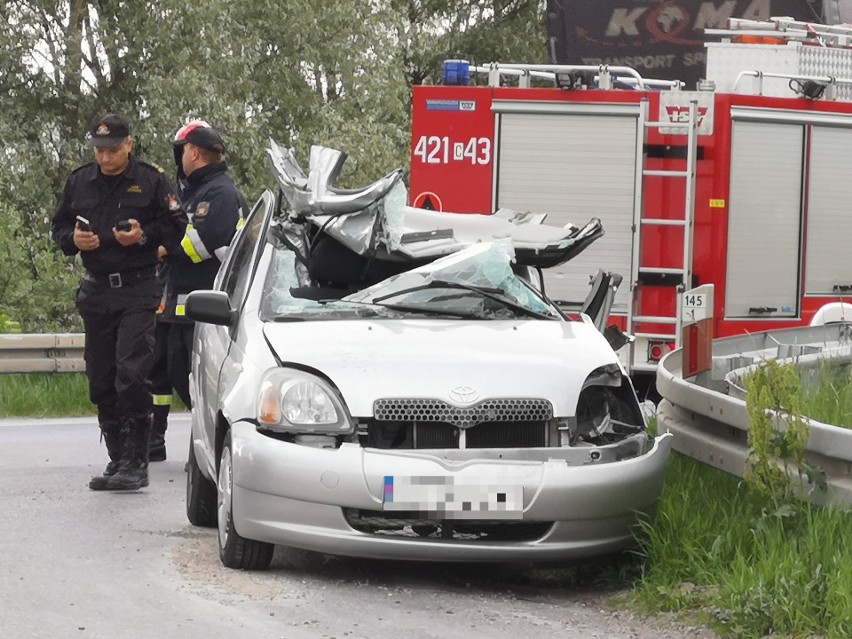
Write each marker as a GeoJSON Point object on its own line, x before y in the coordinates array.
{"type": "Point", "coordinates": [598, 306]}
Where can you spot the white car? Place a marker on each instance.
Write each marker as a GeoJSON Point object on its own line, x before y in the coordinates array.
{"type": "Point", "coordinates": [375, 380]}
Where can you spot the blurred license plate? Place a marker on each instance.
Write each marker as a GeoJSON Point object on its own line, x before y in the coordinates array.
{"type": "Point", "coordinates": [449, 498]}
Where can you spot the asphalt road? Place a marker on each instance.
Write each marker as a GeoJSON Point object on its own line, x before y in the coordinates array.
{"type": "Point", "coordinates": [77, 563]}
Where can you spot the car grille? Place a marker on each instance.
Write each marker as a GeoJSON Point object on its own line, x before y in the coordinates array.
{"type": "Point", "coordinates": [429, 424]}
{"type": "Point", "coordinates": [436, 410]}
{"type": "Point", "coordinates": [409, 525]}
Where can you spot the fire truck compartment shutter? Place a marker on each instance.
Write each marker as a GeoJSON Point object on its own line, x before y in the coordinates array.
{"type": "Point", "coordinates": [827, 257]}
{"type": "Point", "coordinates": [764, 220]}
{"type": "Point", "coordinates": [570, 166]}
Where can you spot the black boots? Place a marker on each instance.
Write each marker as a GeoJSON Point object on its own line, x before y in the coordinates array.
{"type": "Point", "coordinates": [114, 439]}
{"type": "Point", "coordinates": [132, 472]}
{"type": "Point", "coordinates": [157, 447]}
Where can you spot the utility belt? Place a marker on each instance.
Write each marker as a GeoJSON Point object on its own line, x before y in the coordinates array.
{"type": "Point", "coordinates": [120, 279]}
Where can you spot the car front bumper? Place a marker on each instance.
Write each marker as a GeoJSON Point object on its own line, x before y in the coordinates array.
{"type": "Point", "coordinates": [298, 496]}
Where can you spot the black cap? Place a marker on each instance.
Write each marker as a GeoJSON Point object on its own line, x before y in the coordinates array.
{"type": "Point", "coordinates": [109, 130]}
{"type": "Point", "coordinates": [201, 134]}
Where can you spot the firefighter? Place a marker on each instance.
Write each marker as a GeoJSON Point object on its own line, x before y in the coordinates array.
{"type": "Point", "coordinates": [215, 208]}
{"type": "Point", "coordinates": [115, 212]}
{"type": "Point", "coordinates": [161, 386]}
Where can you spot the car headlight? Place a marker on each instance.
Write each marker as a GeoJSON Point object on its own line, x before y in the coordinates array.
{"type": "Point", "coordinates": [296, 402]}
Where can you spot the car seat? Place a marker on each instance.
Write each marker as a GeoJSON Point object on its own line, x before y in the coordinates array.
{"type": "Point", "coordinates": [336, 271]}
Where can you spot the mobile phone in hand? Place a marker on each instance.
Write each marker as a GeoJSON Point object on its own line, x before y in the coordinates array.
{"type": "Point", "coordinates": [124, 226]}
{"type": "Point", "coordinates": [83, 223]}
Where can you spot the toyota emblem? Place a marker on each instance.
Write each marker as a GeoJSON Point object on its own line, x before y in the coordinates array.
{"type": "Point", "coordinates": [464, 394]}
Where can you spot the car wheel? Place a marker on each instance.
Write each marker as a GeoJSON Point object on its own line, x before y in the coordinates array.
{"type": "Point", "coordinates": [200, 494]}
{"type": "Point", "coordinates": [236, 551]}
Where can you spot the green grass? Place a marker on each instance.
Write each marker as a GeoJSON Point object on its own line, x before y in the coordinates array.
{"type": "Point", "coordinates": [830, 401]}
{"type": "Point", "coordinates": [714, 552]}
{"type": "Point", "coordinates": [57, 395]}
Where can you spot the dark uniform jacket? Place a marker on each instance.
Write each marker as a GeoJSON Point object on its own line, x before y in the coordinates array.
{"type": "Point", "coordinates": [142, 192]}
{"type": "Point", "coordinates": [119, 276]}
{"type": "Point", "coordinates": [216, 209]}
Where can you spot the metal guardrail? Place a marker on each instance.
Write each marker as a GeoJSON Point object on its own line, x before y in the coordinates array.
{"type": "Point", "coordinates": [36, 353]}
{"type": "Point", "coordinates": [711, 425]}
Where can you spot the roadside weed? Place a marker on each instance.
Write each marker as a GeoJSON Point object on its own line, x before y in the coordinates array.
{"type": "Point", "coordinates": [716, 551]}
{"type": "Point", "coordinates": [775, 396]}
{"type": "Point", "coordinates": [830, 399]}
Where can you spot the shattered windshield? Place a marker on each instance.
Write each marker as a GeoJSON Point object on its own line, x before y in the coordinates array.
{"type": "Point", "coordinates": [475, 283]}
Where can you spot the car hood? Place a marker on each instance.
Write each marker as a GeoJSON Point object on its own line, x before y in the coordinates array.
{"type": "Point", "coordinates": [370, 360]}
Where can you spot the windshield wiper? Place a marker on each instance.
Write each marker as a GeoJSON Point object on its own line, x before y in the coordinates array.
{"type": "Point", "coordinates": [411, 308]}
{"type": "Point", "coordinates": [440, 284]}
{"type": "Point", "coordinates": [488, 292]}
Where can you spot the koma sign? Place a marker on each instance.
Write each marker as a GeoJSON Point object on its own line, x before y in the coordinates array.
{"type": "Point", "coordinates": [663, 39]}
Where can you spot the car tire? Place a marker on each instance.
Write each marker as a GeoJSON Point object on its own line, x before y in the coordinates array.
{"type": "Point", "coordinates": [200, 494]}
{"type": "Point", "coordinates": [235, 551]}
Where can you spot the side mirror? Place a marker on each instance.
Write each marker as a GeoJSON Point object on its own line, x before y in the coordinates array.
{"type": "Point", "coordinates": [212, 307]}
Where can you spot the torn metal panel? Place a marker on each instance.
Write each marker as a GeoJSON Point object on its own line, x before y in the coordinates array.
{"type": "Point", "coordinates": [315, 193]}
{"type": "Point", "coordinates": [535, 244]}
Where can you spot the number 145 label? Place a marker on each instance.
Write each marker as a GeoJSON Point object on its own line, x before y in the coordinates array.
{"type": "Point", "coordinates": [433, 149]}
{"type": "Point", "coordinates": [693, 300]}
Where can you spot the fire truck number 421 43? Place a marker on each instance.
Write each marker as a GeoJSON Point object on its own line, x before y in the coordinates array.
{"type": "Point", "coordinates": [433, 149]}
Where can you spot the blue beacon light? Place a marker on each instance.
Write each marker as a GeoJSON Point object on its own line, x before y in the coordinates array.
{"type": "Point", "coordinates": [456, 72]}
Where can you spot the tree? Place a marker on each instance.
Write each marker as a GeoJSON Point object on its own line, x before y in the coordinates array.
{"type": "Point", "coordinates": [254, 69]}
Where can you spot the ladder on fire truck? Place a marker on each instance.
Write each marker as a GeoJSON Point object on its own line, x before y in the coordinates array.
{"type": "Point", "coordinates": [787, 30]}
{"type": "Point", "coordinates": [644, 276]}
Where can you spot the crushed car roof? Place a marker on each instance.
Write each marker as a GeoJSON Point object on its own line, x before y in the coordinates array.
{"type": "Point", "coordinates": [376, 219]}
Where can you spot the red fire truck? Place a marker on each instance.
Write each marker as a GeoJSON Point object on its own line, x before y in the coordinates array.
{"type": "Point", "coordinates": [744, 184]}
